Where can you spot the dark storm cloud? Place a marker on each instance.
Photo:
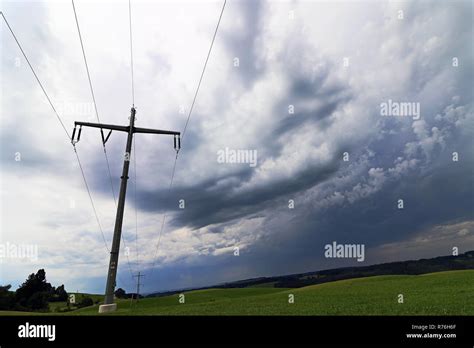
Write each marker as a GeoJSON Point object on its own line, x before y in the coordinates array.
{"type": "Point", "coordinates": [208, 203]}
{"type": "Point", "coordinates": [376, 220]}
{"type": "Point", "coordinates": [305, 89]}
{"type": "Point", "coordinates": [430, 199]}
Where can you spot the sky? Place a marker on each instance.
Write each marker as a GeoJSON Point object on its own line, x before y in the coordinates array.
{"type": "Point", "coordinates": [300, 84]}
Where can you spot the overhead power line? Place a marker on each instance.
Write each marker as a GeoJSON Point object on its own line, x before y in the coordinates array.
{"type": "Point", "coordinates": [98, 120]}
{"type": "Point", "coordinates": [163, 221]}
{"type": "Point", "coordinates": [36, 76]}
{"type": "Point", "coordinates": [134, 141]}
{"type": "Point", "coordinates": [65, 130]}
{"type": "Point", "coordinates": [90, 197]}
{"type": "Point", "coordinates": [131, 49]}
{"type": "Point", "coordinates": [135, 196]}
{"type": "Point", "coordinates": [93, 96]}
{"type": "Point", "coordinates": [203, 69]}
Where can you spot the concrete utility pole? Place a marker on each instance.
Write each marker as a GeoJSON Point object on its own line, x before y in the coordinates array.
{"type": "Point", "coordinates": [138, 284]}
{"type": "Point", "coordinates": [109, 304]}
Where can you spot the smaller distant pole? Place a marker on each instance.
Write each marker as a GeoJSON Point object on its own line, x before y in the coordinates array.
{"type": "Point", "coordinates": [138, 276]}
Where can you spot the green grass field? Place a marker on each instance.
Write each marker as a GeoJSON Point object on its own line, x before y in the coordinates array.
{"type": "Point", "coordinates": [57, 306]}
{"type": "Point", "coordinates": [443, 293]}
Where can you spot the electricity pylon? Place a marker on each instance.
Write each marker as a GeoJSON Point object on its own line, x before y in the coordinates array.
{"type": "Point", "coordinates": [138, 276]}
{"type": "Point", "coordinates": [109, 304]}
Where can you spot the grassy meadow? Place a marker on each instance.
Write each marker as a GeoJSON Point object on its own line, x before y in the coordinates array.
{"type": "Point", "coordinates": [442, 293]}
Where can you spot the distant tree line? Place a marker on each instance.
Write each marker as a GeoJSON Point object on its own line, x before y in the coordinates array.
{"type": "Point", "coordinates": [121, 293]}
{"type": "Point", "coordinates": [34, 294]}
{"type": "Point", "coordinates": [411, 267]}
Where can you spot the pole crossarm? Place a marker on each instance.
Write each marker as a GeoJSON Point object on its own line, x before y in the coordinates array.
{"type": "Point", "coordinates": [154, 131]}
{"type": "Point", "coordinates": [103, 126]}
{"type": "Point", "coordinates": [125, 128]}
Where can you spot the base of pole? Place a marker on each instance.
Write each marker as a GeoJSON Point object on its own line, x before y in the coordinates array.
{"type": "Point", "coordinates": [105, 308]}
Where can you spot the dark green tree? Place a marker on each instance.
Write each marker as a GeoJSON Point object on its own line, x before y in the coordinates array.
{"type": "Point", "coordinates": [120, 293]}
{"type": "Point", "coordinates": [7, 297]}
{"type": "Point", "coordinates": [60, 294]}
{"type": "Point", "coordinates": [34, 293]}
{"type": "Point", "coordinates": [38, 301]}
